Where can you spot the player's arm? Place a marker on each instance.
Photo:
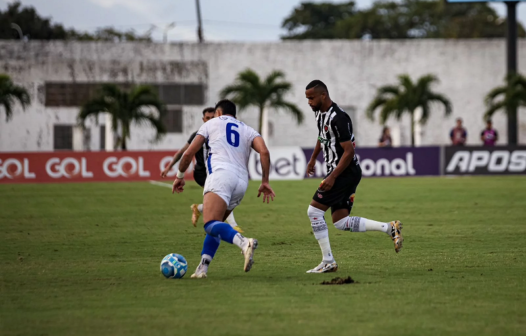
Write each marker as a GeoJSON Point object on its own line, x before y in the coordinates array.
{"type": "Point", "coordinates": [312, 161]}
{"type": "Point", "coordinates": [175, 159]}
{"type": "Point", "coordinates": [259, 146]}
{"type": "Point", "coordinates": [345, 161]}
{"type": "Point", "coordinates": [186, 159]}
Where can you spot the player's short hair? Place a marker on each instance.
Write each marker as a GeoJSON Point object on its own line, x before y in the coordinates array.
{"type": "Point", "coordinates": [317, 83]}
{"type": "Point", "coordinates": [227, 107]}
{"type": "Point", "coordinates": [208, 110]}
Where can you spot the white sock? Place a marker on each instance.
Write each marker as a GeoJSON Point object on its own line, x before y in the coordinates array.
{"type": "Point", "coordinates": [200, 208]}
{"type": "Point", "coordinates": [240, 241]}
{"type": "Point", "coordinates": [360, 224]}
{"type": "Point", "coordinates": [321, 232]}
{"type": "Point", "coordinates": [325, 246]}
{"type": "Point", "coordinates": [205, 262]}
{"type": "Point", "coordinates": [231, 220]}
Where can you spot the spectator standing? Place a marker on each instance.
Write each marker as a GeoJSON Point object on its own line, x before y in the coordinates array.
{"type": "Point", "coordinates": [458, 135]}
{"type": "Point", "coordinates": [489, 135]}
{"type": "Point", "coordinates": [385, 139]}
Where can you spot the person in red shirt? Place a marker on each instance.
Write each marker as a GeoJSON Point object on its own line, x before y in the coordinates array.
{"type": "Point", "coordinates": [458, 135]}
{"type": "Point", "coordinates": [489, 135]}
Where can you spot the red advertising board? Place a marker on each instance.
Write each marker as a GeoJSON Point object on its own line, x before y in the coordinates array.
{"type": "Point", "coordinates": [85, 166]}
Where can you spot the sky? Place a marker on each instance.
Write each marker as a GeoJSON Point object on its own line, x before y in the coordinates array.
{"type": "Point", "coordinates": [223, 20]}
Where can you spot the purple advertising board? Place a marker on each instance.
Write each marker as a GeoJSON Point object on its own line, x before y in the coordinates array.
{"type": "Point", "coordinates": [290, 163]}
{"type": "Point", "coordinates": [402, 161]}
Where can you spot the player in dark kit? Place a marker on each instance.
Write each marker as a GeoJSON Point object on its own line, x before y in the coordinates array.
{"type": "Point", "coordinates": [199, 170]}
{"type": "Point", "coordinates": [337, 190]}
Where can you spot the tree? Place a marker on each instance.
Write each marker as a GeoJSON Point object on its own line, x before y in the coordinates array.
{"type": "Point", "coordinates": [508, 98]}
{"type": "Point", "coordinates": [9, 93]}
{"type": "Point", "coordinates": [249, 90]}
{"type": "Point", "coordinates": [406, 97]}
{"type": "Point", "coordinates": [396, 20]}
{"type": "Point", "coordinates": [126, 107]}
{"type": "Point", "coordinates": [316, 21]}
{"type": "Point", "coordinates": [109, 34]}
{"type": "Point", "coordinates": [36, 27]}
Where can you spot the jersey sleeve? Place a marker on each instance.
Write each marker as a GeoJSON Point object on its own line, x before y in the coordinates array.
{"type": "Point", "coordinates": [203, 130]}
{"type": "Point", "coordinates": [342, 128]}
{"type": "Point", "coordinates": [252, 134]}
{"type": "Point", "coordinates": [191, 138]}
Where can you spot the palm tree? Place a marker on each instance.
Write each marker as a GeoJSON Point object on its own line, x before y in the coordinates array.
{"type": "Point", "coordinates": [249, 90]}
{"type": "Point", "coordinates": [126, 107]}
{"type": "Point", "coordinates": [406, 97]}
{"type": "Point", "coordinates": [512, 96]}
{"type": "Point", "coordinates": [9, 92]}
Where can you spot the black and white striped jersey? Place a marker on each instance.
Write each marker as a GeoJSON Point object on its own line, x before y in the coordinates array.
{"type": "Point", "coordinates": [334, 127]}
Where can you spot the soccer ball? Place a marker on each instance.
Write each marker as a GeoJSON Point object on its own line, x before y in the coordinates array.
{"type": "Point", "coordinates": [174, 266]}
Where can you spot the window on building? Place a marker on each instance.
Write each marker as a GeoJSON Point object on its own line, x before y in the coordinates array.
{"type": "Point", "coordinates": [63, 94]}
{"type": "Point", "coordinates": [102, 137]}
{"type": "Point", "coordinates": [63, 137]}
{"type": "Point", "coordinates": [351, 112]}
{"type": "Point", "coordinates": [173, 120]}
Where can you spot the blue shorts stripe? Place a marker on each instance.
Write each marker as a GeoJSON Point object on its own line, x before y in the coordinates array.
{"type": "Point", "coordinates": [209, 164]}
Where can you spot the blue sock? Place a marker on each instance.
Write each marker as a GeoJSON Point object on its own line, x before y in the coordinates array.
{"type": "Point", "coordinates": [221, 230]}
{"type": "Point", "coordinates": [210, 245]}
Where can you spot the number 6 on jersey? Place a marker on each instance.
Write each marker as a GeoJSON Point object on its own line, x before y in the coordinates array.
{"type": "Point", "coordinates": [232, 133]}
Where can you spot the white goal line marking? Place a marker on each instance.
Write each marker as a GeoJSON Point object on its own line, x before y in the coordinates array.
{"type": "Point", "coordinates": [160, 184]}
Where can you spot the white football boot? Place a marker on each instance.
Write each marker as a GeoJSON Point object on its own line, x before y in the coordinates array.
{"type": "Point", "coordinates": [324, 267]}
{"type": "Point", "coordinates": [201, 270]}
{"type": "Point", "coordinates": [248, 252]}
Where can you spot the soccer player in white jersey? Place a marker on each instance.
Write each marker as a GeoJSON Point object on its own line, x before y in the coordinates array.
{"type": "Point", "coordinates": [199, 170]}
{"type": "Point", "coordinates": [230, 142]}
{"type": "Point", "coordinates": [337, 190]}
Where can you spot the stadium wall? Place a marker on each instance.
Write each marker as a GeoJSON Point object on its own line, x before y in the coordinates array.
{"type": "Point", "coordinates": [353, 70]}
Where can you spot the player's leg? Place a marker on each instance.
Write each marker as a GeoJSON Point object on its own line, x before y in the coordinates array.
{"type": "Point", "coordinates": [197, 209]}
{"type": "Point", "coordinates": [232, 221]}
{"type": "Point", "coordinates": [210, 246]}
{"type": "Point", "coordinates": [225, 185]}
{"type": "Point", "coordinates": [342, 221]}
{"type": "Point", "coordinates": [360, 224]}
{"type": "Point", "coordinates": [316, 213]}
{"type": "Point", "coordinates": [235, 200]}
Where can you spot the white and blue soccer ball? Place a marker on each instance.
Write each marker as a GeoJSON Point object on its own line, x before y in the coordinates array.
{"type": "Point", "coordinates": [174, 266]}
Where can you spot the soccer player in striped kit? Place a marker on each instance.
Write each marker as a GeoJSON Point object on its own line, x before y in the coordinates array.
{"type": "Point", "coordinates": [337, 190]}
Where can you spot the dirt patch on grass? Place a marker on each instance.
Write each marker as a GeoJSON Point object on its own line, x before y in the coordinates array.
{"type": "Point", "coordinates": [339, 281]}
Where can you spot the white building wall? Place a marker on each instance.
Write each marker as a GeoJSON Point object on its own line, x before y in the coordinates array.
{"type": "Point", "coordinates": [467, 69]}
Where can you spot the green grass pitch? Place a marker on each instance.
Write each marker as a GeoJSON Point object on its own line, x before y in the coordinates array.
{"type": "Point", "coordinates": [83, 259]}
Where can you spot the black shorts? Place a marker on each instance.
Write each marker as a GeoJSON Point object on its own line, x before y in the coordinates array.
{"type": "Point", "coordinates": [200, 178]}
{"type": "Point", "coordinates": [341, 195]}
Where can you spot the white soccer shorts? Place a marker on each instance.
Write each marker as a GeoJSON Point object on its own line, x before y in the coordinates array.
{"type": "Point", "coordinates": [228, 186]}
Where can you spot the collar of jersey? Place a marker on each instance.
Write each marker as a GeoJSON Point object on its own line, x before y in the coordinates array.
{"type": "Point", "coordinates": [330, 108]}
